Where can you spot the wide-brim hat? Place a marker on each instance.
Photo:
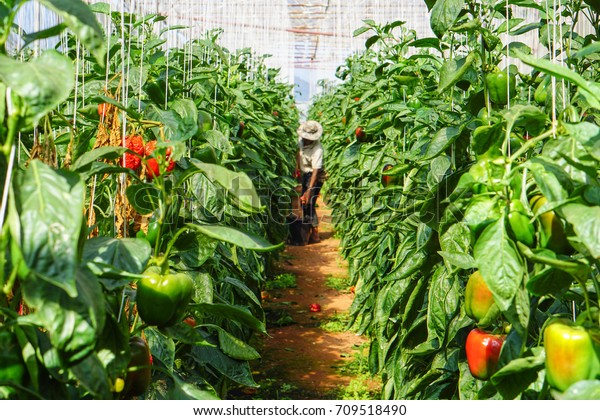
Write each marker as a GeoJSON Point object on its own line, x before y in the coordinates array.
{"type": "Point", "coordinates": [310, 130]}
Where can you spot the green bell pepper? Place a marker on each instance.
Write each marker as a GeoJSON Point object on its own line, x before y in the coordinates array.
{"type": "Point", "coordinates": [500, 86]}
{"type": "Point", "coordinates": [520, 225]}
{"type": "Point", "coordinates": [162, 297]}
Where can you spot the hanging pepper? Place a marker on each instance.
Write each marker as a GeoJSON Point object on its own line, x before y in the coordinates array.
{"type": "Point", "coordinates": [483, 352]}
{"type": "Point", "coordinates": [552, 232]}
{"type": "Point", "coordinates": [500, 86]}
{"type": "Point", "coordinates": [139, 378]}
{"type": "Point", "coordinates": [478, 298]}
{"type": "Point", "coordinates": [162, 298]}
{"type": "Point", "coordinates": [520, 225]}
{"type": "Point", "coordinates": [572, 354]}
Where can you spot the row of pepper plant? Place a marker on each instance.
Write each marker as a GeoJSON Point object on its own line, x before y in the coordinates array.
{"type": "Point", "coordinates": [465, 192]}
{"type": "Point", "coordinates": [144, 196]}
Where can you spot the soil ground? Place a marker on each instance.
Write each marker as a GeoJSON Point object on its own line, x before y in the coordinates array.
{"type": "Point", "coordinates": [301, 359]}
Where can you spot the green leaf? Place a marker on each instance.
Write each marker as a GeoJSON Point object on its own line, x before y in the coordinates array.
{"type": "Point", "coordinates": [186, 108]}
{"type": "Point", "coordinates": [458, 259]}
{"type": "Point", "coordinates": [250, 295]}
{"type": "Point", "coordinates": [455, 244]}
{"type": "Point", "coordinates": [81, 20]}
{"type": "Point", "coordinates": [444, 295]}
{"type": "Point", "coordinates": [72, 323]}
{"type": "Point", "coordinates": [233, 313]}
{"type": "Point", "coordinates": [426, 43]}
{"type": "Point", "coordinates": [235, 237]}
{"type": "Point", "coordinates": [126, 254]}
{"type": "Point", "coordinates": [236, 370]}
{"type": "Point", "coordinates": [203, 287]}
{"type": "Point", "coordinates": [518, 316]}
{"type": "Point", "coordinates": [551, 178]}
{"type": "Point", "coordinates": [161, 347]}
{"type": "Point", "coordinates": [582, 390]}
{"type": "Point", "coordinates": [452, 71]}
{"type": "Point", "coordinates": [47, 222]}
{"type": "Point", "coordinates": [43, 34]}
{"type": "Point", "coordinates": [480, 212]}
{"type": "Point", "coordinates": [238, 185]}
{"type": "Point", "coordinates": [519, 374]}
{"type": "Point", "coordinates": [181, 332]}
{"type": "Point", "coordinates": [588, 135]}
{"type": "Point", "coordinates": [588, 50]}
{"type": "Point", "coordinates": [187, 391]}
{"type": "Point", "coordinates": [438, 169]}
{"type": "Point", "coordinates": [91, 375]}
{"type": "Point", "coordinates": [42, 83]}
{"type": "Point", "coordinates": [144, 198]}
{"type": "Point", "coordinates": [236, 348]}
{"type": "Point", "coordinates": [371, 41]}
{"type": "Point", "coordinates": [176, 128]}
{"type": "Point", "coordinates": [105, 152]}
{"type": "Point", "coordinates": [442, 140]}
{"type": "Point", "coordinates": [549, 281]}
{"type": "Point", "coordinates": [586, 224]}
{"type": "Point", "coordinates": [519, 46]}
{"type": "Point", "coordinates": [499, 263]}
{"type": "Point", "coordinates": [195, 248]}
{"type": "Point", "coordinates": [488, 139]}
{"type": "Point", "coordinates": [589, 89]}
{"type": "Point", "coordinates": [443, 15]}
{"type": "Point", "coordinates": [361, 30]}
{"type": "Point", "coordinates": [217, 140]}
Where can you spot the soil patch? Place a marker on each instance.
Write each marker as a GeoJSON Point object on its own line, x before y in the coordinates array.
{"type": "Point", "coordinates": [300, 359]}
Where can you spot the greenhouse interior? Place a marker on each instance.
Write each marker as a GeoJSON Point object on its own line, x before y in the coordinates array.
{"type": "Point", "coordinates": [300, 200]}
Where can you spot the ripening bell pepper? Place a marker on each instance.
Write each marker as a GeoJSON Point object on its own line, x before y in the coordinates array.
{"type": "Point", "coordinates": [572, 354]}
{"type": "Point", "coordinates": [139, 376]}
{"type": "Point", "coordinates": [162, 298]}
{"type": "Point", "coordinates": [500, 86]}
{"type": "Point", "coordinates": [478, 297]}
{"type": "Point", "coordinates": [388, 180]}
{"type": "Point", "coordinates": [552, 232]}
{"type": "Point", "coordinates": [483, 352]}
{"type": "Point", "coordinates": [520, 225]}
{"type": "Point", "coordinates": [12, 367]}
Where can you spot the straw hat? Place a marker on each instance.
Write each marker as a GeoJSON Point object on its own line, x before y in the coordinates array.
{"type": "Point", "coordinates": [310, 130]}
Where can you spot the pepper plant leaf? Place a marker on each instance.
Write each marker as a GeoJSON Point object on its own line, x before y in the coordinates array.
{"type": "Point", "coordinates": [499, 263]}
{"type": "Point", "coordinates": [80, 19]}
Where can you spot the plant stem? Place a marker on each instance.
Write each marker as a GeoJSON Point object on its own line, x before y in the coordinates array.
{"type": "Point", "coordinates": [530, 144]}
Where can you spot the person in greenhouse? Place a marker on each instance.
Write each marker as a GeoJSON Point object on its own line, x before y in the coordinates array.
{"type": "Point", "coordinates": [309, 164]}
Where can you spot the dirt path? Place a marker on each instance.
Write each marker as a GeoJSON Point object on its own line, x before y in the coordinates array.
{"type": "Point", "coordinates": [302, 360]}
